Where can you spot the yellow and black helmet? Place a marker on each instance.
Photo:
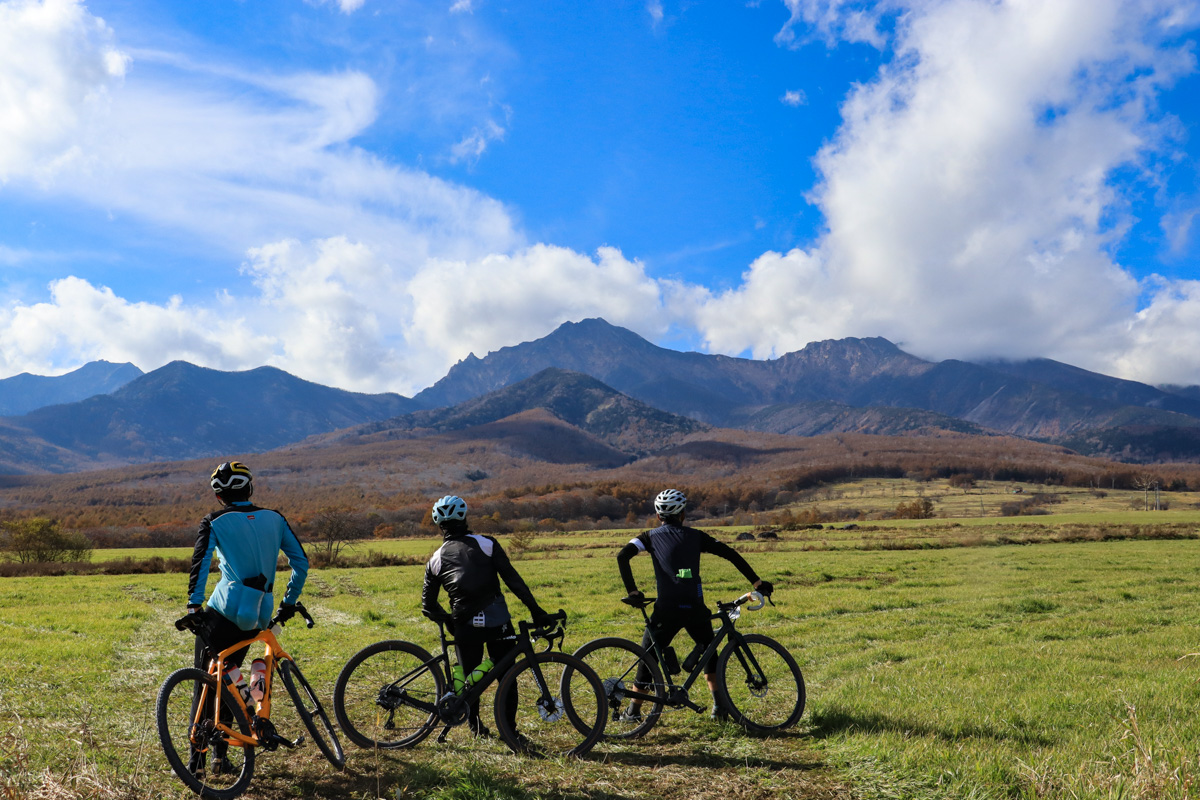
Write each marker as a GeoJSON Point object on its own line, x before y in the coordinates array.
{"type": "Point", "coordinates": [231, 476]}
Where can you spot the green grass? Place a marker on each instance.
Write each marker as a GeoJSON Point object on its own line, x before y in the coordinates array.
{"type": "Point", "coordinates": [1048, 670]}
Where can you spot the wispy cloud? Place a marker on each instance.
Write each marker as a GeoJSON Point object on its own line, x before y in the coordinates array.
{"type": "Point", "coordinates": [794, 98]}
{"type": "Point", "coordinates": [655, 9]}
{"type": "Point", "coordinates": [474, 144]}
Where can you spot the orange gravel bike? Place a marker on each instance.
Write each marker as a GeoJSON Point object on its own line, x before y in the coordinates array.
{"type": "Point", "coordinates": [210, 733]}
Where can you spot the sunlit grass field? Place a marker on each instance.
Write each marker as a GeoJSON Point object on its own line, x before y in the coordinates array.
{"type": "Point", "coordinates": [1048, 670]}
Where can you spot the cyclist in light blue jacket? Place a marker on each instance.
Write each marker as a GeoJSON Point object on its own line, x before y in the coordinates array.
{"type": "Point", "coordinates": [247, 540]}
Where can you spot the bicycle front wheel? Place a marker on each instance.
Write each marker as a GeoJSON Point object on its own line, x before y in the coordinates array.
{"type": "Point", "coordinates": [617, 662]}
{"type": "Point", "coordinates": [550, 705]}
{"type": "Point", "coordinates": [760, 684]}
{"type": "Point", "coordinates": [201, 755]}
{"type": "Point", "coordinates": [312, 713]}
{"type": "Point", "coordinates": [386, 696]}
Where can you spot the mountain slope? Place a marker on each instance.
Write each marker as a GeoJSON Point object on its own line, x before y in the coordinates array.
{"type": "Point", "coordinates": [582, 402]}
{"type": "Point", "coordinates": [693, 384]}
{"type": "Point", "coordinates": [23, 393]}
{"type": "Point", "coordinates": [1102, 387]}
{"type": "Point", "coordinates": [184, 411]}
{"type": "Point", "coordinates": [1037, 399]}
{"type": "Point", "coordinates": [821, 417]}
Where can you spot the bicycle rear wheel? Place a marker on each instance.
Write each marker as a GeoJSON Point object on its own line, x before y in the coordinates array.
{"type": "Point", "coordinates": [312, 713]}
{"type": "Point", "coordinates": [760, 685]}
{"type": "Point", "coordinates": [559, 706]}
{"type": "Point", "coordinates": [616, 661]}
{"type": "Point", "coordinates": [386, 695]}
{"type": "Point", "coordinates": [199, 754]}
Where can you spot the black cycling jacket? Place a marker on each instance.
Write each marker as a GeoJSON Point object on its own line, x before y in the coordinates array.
{"type": "Point", "coordinates": [470, 568]}
{"type": "Point", "coordinates": [676, 552]}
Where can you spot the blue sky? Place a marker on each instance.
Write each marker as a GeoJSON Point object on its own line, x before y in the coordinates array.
{"type": "Point", "coordinates": [362, 192]}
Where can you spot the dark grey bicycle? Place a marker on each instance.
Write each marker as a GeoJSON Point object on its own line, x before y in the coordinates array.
{"type": "Point", "coordinates": [757, 680]}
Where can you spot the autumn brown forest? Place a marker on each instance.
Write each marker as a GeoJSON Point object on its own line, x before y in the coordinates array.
{"type": "Point", "coordinates": [383, 488]}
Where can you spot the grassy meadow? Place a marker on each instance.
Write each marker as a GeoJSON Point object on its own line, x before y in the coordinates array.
{"type": "Point", "coordinates": [1056, 669]}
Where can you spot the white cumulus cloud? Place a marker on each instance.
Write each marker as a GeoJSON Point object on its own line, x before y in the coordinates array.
{"type": "Point", "coordinates": [460, 307]}
{"type": "Point", "coordinates": [57, 66]}
{"type": "Point", "coordinates": [82, 322]}
{"type": "Point", "coordinates": [969, 196]}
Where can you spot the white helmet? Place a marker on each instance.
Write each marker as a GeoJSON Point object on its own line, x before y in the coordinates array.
{"type": "Point", "coordinates": [669, 503]}
{"type": "Point", "coordinates": [449, 507]}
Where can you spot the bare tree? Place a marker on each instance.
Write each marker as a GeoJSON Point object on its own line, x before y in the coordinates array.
{"type": "Point", "coordinates": [337, 528]}
{"type": "Point", "coordinates": [1147, 483]}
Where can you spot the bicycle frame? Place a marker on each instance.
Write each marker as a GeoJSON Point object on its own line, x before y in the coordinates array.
{"type": "Point", "coordinates": [524, 647]}
{"type": "Point", "coordinates": [272, 655]}
{"type": "Point", "coordinates": [677, 694]}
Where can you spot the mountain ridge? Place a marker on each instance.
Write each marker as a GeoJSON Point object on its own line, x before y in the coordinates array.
{"type": "Point", "coordinates": [184, 411]}
{"type": "Point", "coordinates": [20, 394]}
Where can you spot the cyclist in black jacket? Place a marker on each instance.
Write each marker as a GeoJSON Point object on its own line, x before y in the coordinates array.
{"type": "Point", "coordinates": [676, 551]}
{"type": "Point", "coordinates": [470, 567]}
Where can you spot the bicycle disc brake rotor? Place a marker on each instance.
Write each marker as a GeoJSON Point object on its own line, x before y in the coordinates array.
{"type": "Point", "coordinates": [757, 688]}
{"type": "Point", "coordinates": [550, 710]}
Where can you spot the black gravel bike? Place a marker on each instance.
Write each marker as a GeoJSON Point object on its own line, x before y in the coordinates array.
{"type": "Point", "coordinates": [757, 681]}
{"type": "Point", "coordinates": [393, 694]}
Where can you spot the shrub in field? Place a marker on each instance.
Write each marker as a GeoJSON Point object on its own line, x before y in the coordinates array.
{"type": "Point", "coordinates": [520, 541]}
{"type": "Point", "coordinates": [40, 540]}
{"type": "Point", "coordinates": [962, 480]}
{"type": "Point", "coordinates": [920, 508]}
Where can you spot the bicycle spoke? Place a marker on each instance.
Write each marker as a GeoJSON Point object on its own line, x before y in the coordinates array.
{"type": "Point", "coordinates": [385, 697]}
{"type": "Point", "coordinates": [761, 684]}
{"type": "Point", "coordinates": [551, 705]}
{"type": "Point", "coordinates": [617, 662]}
{"type": "Point", "coordinates": [199, 754]}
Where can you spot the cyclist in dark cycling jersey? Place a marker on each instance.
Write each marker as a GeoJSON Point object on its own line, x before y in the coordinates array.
{"type": "Point", "coordinates": [470, 566]}
{"type": "Point", "coordinates": [680, 605]}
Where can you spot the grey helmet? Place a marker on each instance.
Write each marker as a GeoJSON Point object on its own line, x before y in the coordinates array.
{"type": "Point", "coordinates": [448, 508]}
{"type": "Point", "coordinates": [670, 503]}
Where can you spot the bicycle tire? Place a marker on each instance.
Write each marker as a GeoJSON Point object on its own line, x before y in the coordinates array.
{"type": "Point", "coordinates": [175, 713]}
{"type": "Point", "coordinates": [369, 692]}
{"type": "Point", "coordinates": [616, 661]}
{"type": "Point", "coordinates": [312, 713]}
{"type": "Point", "coordinates": [761, 707]}
{"type": "Point", "coordinates": [568, 727]}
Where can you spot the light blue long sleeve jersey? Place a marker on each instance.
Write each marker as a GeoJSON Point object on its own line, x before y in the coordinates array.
{"type": "Point", "coordinates": [247, 539]}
